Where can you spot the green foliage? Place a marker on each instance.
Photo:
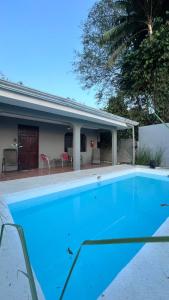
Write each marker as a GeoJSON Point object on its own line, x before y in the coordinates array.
{"type": "Point", "coordinates": [137, 19]}
{"type": "Point", "coordinates": [145, 155]}
{"type": "Point", "coordinates": [144, 75]}
{"type": "Point", "coordinates": [111, 27]}
{"type": "Point", "coordinates": [119, 105]}
{"type": "Point", "coordinates": [158, 157]}
{"type": "Point", "coordinates": [125, 53]}
{"type": "Point", "coordinates": [91, 64]}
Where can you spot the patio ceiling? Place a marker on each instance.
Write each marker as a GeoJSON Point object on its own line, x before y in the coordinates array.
{"type": "Point", "coordinates": [54, 109]}
{"type": "Point", "coordinates": [11, 111]}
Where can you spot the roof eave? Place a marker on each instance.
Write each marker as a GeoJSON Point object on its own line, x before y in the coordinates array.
{"type": "Point", "coordinates": [16, 88]}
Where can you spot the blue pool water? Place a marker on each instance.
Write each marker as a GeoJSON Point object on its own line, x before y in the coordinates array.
{"type": "Point", "coordinates": [125, 207]}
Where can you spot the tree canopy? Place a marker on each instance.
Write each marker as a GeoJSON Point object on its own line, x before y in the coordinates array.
{"type": "Point", "coordinates": [144, 77]}
{"type": "Point", "coordinates": [91, 64]}
{"type": "Point", "coordinates": [125, 56]}
{"type": "Point", "coordinates": [136, 20]}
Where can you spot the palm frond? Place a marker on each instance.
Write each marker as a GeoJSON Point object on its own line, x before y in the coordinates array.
{"type": "Point", "coordinates": [116, 54]}
{"type": "Point", "coordinates": [113, 33]}
{"type": "Point", "coordinates": [121, 4]}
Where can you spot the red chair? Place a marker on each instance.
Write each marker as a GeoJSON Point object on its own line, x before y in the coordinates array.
{"type": "Point", "coordinates": [45, 160]}
{"type": "Point", "coordinates": [65, 158]}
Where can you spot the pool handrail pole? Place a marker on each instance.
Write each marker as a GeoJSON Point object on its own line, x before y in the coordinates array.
{"type": "Point", "coordinates": [29, 273]}
{"type": "Point", "coordinates": [152, 239]}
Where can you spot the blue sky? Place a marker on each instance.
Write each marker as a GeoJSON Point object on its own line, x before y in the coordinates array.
{"type": "Point", "coordinates": [38, 39]}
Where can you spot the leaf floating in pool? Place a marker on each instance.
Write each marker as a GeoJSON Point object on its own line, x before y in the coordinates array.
{"type": "Point", "coordinates": [98, 177]}
{"type": "Point", "coordinates": [164, 204]}
{"type": "Point", "coordinates": [69, 251]}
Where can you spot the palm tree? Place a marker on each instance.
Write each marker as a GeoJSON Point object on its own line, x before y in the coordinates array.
{"type": "Point", "coordinates": [137, 19]}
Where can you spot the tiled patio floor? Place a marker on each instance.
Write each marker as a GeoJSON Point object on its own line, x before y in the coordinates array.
{"type": "Point", "coordinates": [40, 172]}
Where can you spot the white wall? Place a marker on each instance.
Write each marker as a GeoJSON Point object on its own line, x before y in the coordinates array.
{"type": "Point", "coordinates": [124, 152]}
{"type": "Point", "coordinates": [155, 137]}
{"type": "Point", "coordinates": [90, 135]}
{"type": "Point", "coordinates": [106, 154]}
{"type": "Point", "coordinates": [8, 132]}
{"type": "Point", "coordinates": [51, 138]}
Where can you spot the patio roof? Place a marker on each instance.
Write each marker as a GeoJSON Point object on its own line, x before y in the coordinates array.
{"type": "Point", "coordinates": [19, 95]}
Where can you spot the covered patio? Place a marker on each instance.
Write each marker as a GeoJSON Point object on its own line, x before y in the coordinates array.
{"type": "Point", "coordinates": [35, 123]}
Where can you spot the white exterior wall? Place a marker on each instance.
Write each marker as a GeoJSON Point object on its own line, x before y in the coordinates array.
{"type": "Point", "coordinates": [106, 154]}
{"type": "Point", "coordinates": [155, 137]}
{"type": "Point", "coordinates": [124, 152]}
{"type": "Point", "coordinates": [8, 132]}
{"type": "Point", "coordinates": [51, 138]}
{"type": "Point", "coordinates": [90, 135]}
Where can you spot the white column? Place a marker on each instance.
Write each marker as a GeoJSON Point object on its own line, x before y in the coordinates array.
{"type": "Point", "coordinates": [114, 147]}
{"type": "Point", "coordinates": [76, 146]}
{"type": "Point", "coordinates": [134, 150]}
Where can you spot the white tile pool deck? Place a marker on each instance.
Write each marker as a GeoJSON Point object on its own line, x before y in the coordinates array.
{"type": "Point", "coordinates": [134, 282]}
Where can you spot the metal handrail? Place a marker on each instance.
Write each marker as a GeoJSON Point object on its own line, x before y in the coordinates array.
{"type": "Point", "coordinates": [29, 273]}
{"type": "Point", "coordinates": [153, 239]}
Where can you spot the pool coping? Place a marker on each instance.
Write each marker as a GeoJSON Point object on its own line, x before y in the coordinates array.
{"type": "Point", "coordinates": [95, 177]}
{"type": "Point", "coordinates": [12, 191]}
{"type": "Point", "coordinates": [146, 276]}
{"type": "Point", "coordinates": [14, 284]}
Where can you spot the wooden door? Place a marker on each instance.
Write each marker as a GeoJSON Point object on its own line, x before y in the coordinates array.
{"type": "Point", "coordinates": [28, 147]}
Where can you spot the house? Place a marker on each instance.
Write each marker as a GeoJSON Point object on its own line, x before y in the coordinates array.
{"type": "Point", "coordinates": [36, 122]}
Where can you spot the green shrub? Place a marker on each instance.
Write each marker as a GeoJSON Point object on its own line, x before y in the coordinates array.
{"type": "Point", "coordinates": [144, 155]}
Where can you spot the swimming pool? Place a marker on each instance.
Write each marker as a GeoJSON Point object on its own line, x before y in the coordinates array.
{"type": "Point", "coordinates": [55, 225]}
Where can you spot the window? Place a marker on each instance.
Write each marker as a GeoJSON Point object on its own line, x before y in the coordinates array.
{"type": "Point", "coordinates": [69, 141]}
{"type": "Point", "coordinates": [82, 142]}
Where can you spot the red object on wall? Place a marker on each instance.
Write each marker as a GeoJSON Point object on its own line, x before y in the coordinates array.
{"type": "Point", "coordinates": [91, 143]}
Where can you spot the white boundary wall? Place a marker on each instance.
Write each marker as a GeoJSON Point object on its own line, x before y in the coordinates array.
{"type": "Point", "coordinates": [155, 137]}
